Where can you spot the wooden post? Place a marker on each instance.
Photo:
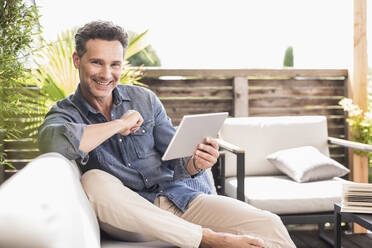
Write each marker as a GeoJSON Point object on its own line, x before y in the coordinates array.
{"type": "Point", "coordinates": [240, 87]}
{"type": "Point", "coordinates": [360, 80]}
{"type": "Point", "coordinates": [359, 83]}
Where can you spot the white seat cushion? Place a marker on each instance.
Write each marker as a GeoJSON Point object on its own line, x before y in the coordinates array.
{"type": "Point", "coordinates": [282, 195]}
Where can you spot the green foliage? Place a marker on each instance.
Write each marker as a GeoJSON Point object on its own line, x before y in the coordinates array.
{"type": "Point", "coordinates": [288, 57]}
{"type": "Point", "coordinates": [17, 31]}
{"type": "Point", "coordinates": [2, 156]}
{"type": "Point", "coordinates": [145, 57]}
{"type": "Point", "coordinates": [360, 123]}
{"type": "Point", "coordinates": [57, 76]}
{"type": "Point", "coordinates": [136, 44]}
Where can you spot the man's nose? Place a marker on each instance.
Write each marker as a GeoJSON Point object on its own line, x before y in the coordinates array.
{"type": "Point", "coordinates": [105, 73]}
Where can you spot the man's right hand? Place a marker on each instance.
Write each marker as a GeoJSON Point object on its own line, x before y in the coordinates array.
{"type": "Point", "coordinates": [95, 134]}
{"type": "Point", "coordinates": [132, 120]}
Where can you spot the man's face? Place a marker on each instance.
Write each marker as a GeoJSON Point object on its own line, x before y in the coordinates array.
{"type": "Point", "coordinates": [99, 68]}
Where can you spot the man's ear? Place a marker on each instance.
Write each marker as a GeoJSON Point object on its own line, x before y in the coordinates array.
{"type": "Point", "coordinates": [76, 60]}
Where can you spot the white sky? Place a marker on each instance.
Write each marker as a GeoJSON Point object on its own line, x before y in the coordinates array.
{"type": "Point", "coordinates": [224, 33]}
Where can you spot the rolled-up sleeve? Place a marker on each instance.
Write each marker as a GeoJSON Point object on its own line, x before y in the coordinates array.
{"type": "Point", "coordinates": [179, 167]}
{"type": "Point", "coordinates": [59, 134]}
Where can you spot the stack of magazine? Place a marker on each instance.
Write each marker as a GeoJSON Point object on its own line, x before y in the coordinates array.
{"type": "Point", "coordinates": [357, 197]}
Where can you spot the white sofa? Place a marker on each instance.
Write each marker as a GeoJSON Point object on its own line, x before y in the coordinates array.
{"type": "Point", "coordinates": [44, 206]}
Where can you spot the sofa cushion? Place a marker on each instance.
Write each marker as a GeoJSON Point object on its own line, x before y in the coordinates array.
{"type": "Point", "coordinates": [44, 206]}
{"type": "Point", "coordinates": [306, 163]}
{"type": "Point", "coordinates": [282, 195]}
{"type": "Point", "coordinates": [261, 136]}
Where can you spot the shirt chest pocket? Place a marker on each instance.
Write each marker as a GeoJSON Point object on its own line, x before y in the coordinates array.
{"type": "Point", "coordinates": [143, 139]}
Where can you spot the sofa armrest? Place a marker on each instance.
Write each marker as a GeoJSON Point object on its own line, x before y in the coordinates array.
{"type": "Point", "coordinates": [350, 144]}
{"type": "Point", "coordinates": [240, 165]}
{"type": "Point", "coordinates": [44, 205]}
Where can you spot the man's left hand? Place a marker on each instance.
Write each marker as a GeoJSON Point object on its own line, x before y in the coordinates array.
{"type": "Point", "coordinates": [206, 154]}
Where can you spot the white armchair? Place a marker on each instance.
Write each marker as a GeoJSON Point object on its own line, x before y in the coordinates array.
{"type": "Point", "coordinates": [249, 176]}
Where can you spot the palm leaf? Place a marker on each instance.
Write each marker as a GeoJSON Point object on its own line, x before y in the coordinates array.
{"type": "Point", "coordinates": [55, 62]}
{"type": "Point", "coordinates": [136, 45]}
{"type": "Point", "coordinates": [52, 90]}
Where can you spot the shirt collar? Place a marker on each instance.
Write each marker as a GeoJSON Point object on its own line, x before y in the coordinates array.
{"type": "Point", "coordinates": [120, 94]}
{"type": "Point", "coordinates": [79, 100]}
{"type": "Point", "coordinates": [85, 107]}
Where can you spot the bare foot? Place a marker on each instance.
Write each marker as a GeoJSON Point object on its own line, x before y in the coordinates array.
{"type": "Point", "coordinates": [213, 239]}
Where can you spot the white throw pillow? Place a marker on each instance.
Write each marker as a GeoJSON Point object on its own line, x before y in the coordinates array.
{"type": "Point", "coordinates": [306, 163]}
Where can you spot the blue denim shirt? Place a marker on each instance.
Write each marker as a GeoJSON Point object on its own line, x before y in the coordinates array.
{"type": "Point", "coordinates": [134, 159]}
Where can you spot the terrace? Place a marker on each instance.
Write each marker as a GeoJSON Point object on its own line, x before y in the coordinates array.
{"type": "Point", "coordinates": [252, 92]}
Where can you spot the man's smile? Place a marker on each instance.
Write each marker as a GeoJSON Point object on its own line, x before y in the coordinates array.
{"type": "Point", "coordinates": [102, 83]}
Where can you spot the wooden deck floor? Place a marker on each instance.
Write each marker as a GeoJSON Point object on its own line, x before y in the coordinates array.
{"type": "Point", "coordinates": [310, 239]}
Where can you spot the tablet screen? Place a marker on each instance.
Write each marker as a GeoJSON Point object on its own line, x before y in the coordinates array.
{"type": "Point", "coordinates": [192, 130]}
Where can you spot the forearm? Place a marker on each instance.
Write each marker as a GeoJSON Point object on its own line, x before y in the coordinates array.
{"type": "Point", "coordinates": [95, 134]}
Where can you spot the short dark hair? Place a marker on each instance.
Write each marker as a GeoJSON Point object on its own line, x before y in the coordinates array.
{"type": "Point", "coordinates": [99, 30]}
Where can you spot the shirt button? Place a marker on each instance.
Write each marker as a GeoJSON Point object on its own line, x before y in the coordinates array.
{"type": "Point", "coordinates": [120, 140]}
{"type": "Point", "coordinates": [129, 164]}
{"type": "Point", "coordinates": [143, 131]}
{"type": "Point", "coordinates": [146, 180]}
{"type": "Point", "coordinates": [161, 191]}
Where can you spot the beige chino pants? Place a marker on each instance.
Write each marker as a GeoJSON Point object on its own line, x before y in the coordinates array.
{"type": "Point", "coordinates": [126, 215]}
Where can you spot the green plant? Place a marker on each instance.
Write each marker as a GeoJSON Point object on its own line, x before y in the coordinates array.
{"type": "Point", "coordinates": [359, 121]}
{"type": "Point", "coordinates": [288, 57]}
{"type": "Point", "coordinates": [56, 75]}
{"type": "Point", "coordinates": [146, 57]}
{"type": "Point", "coordinates": [17, 22]}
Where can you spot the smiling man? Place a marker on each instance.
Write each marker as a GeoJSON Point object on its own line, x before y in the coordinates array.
{"type": "Point", "coordinates": [118, 134]}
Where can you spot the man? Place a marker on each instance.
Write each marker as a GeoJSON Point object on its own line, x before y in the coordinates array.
{"type": "Point", "coordinates": [117, 134]}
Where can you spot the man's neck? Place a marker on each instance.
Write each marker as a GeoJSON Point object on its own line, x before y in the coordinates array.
{"type": "Point", "coordinates": [103, 105]}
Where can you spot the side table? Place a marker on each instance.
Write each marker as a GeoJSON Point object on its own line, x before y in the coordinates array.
{"type": "Point", "coordinates": [365, 220]}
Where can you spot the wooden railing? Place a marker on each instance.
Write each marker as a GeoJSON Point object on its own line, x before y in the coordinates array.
{"type": "Point", "coordinates": [241, 92]}
{"type": "Point", "coordinates": [254, 92]}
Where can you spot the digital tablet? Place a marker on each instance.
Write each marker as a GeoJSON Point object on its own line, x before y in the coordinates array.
{"type": "Point", "coordinates": [191, 132]}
